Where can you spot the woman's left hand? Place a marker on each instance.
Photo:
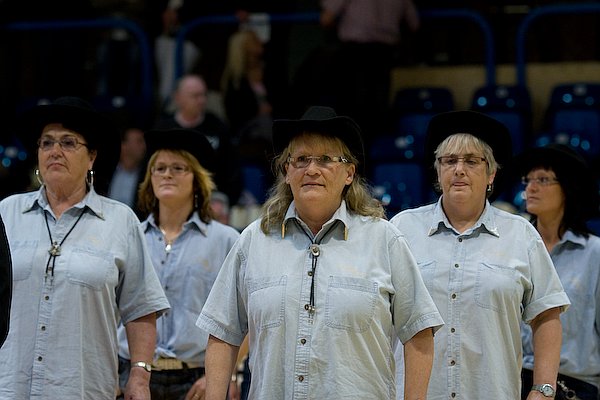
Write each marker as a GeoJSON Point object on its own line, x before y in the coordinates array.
{"type": "Point", "coordinates": [198, 390]}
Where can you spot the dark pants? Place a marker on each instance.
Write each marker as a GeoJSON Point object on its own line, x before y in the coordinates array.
{"type": "Point", "coordinates": [164, 385]}
{"type": "Point", "coordinates": [583, 390]}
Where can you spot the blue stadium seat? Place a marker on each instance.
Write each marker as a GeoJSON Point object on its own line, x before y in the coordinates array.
{"type": "Point", "coordinates": [391, 148]}
{"type": "Point", "coordinates": [573, 116]}
{"type": "Point", "coordinates": [594, 225]}
{"type": "Point", "coordinates": [510, 105]}
{"type": "Point", "coordinates": [255, 181]}
{"type": "Point", "coordinates": [413, 108]}
{"type": "Point", "coordinates": [399, 185]}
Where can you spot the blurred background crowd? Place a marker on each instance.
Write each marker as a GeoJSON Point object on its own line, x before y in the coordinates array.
{"type": "Point", "coordinates": [228, 68]}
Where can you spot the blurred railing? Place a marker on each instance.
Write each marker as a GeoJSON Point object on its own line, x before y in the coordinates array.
{"type": "Point", "coordinates": [533, 16]}
{"type": "Point", "coordinates": [140, 36]}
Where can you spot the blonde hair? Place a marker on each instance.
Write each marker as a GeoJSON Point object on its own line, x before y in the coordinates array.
{"type": "Point", "coordinates": [237, 62]}
{"type": "Point", "coordinates": [357, 195]}
{"type": "Point", "coordinates": [203, 187]}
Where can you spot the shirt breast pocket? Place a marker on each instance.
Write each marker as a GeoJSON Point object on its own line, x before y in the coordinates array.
{"type": "Point", "coordinates": [88, 267]}
{"type": "Point", "coordinates": [427, 271]}
{"type": "Point", "coordinates": [350, 303]}
{"type": "Point", "coordinates": [266, 301]}
{"type": "Point", "coordinates": [495, 287]}
{"type": "Point", "coordinates": [22, 254]}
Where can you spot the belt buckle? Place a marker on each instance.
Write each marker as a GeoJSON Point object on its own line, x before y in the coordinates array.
{"type": "Point", "coordinates": [167, 364]}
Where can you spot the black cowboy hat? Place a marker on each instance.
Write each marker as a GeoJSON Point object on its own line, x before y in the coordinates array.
{"type": "Point", "coordinates": [491, 131]}
{"type": "Point", "coordinates": [322, 120]}
{"type": "Point", "coordinates": [482, 126]}
{"type": "Point", "coordinates": [75, 114]}
{"type": "Point", "coordinates": [569, 166]}
{"type": "Point", "coordinates": [78, 115]}
{"type": "Point", "coordinates": [189, 140]}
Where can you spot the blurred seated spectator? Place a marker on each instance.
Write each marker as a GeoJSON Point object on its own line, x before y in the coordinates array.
{"type": "Point", "coordinates": [190, 103]}
{"type": "Point", "coordinates": [247, 105]}
{"type": "Point", "coordinates": [124, 183]}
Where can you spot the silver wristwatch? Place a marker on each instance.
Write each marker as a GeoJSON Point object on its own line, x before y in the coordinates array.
{"type": "Point", "coordinates": [142, 364]}
{"type": "Point", "coordinates": [546, 389]}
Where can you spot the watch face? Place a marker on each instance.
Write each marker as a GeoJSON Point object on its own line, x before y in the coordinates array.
{"type": "Point", "coordinates": [547, 390]}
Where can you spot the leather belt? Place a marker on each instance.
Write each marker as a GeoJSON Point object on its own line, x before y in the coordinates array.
{"type": "Point", "coordinates": [168, 364]}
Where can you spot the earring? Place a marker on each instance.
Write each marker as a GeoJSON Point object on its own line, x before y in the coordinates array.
{"type": "Point", "coordinates": [90, 178]}
{"type": "Point", "coordinates": [39, 177]}
{"type": "Point", "coordinates": [489, 187]}
{"type": "Point", "coordinates": [195, 201]}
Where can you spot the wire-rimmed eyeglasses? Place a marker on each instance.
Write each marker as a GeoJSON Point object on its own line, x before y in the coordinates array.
{"type": "Point", "coordinates": [323, 161]}
{"type": "Point", "coordinates": [175, 169]}
{"type": "Point", "coordinates": [541, 181]}
{"type": "Point", "coordinates": [468, 161]}
{"type": "Point", "coordinates": [67, 143]}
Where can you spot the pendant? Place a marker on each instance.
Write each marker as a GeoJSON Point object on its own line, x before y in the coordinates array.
{"type": "Point", "coordinates": [168, 247]}
{"type": "Point", "coordinates": [54, 249]}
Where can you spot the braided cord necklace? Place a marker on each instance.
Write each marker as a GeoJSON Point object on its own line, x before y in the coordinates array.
{"type": "Point", "coordinates": [54, 249]}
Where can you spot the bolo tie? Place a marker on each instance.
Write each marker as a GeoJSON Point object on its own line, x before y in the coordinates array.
{"type": "Point", "coordinates": [315, 252]}
{"type": "Point", "coordinates": [55, 247]}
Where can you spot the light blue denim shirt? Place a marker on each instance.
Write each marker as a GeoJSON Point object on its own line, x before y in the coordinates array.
{"type": "Point", "coordinates": [577, 261]}
{"type": "Point", "coordinates": [484, 281]}
{"type": "Point", "coordinates": [187, 273]}
{"type": "Point", "coordinates": [367, 290]}
{"type": "Point", "coordinates": [63, 330]}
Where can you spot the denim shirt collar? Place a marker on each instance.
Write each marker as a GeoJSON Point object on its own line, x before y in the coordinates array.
{"type": "Point", "coordinates": [39, 199]}
{"type": "Point", "coordinates": [193, 222]}
{"type": "Point", "coordinates": [486, 222]}
{"type": "Point", "coordinates": [341, 215]}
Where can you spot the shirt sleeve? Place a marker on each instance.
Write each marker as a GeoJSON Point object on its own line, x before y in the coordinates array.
{"type": "Point", "coordinates": [224, 315]}
{"type": "Point", "coordinates": [139, 292]}
{"type": "Point", "coordinates": [546, 289]}
{"type": "Point", "coordinates": [413, 308]}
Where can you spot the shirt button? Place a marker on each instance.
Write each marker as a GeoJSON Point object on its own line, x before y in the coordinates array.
{"type": "Point", "coordinates": [455, 265]}
{"type": "Point", "coordinates": [453, 295]}
{"type": "Point", "coordinates": [46, 297]}
{"type": "Point", "coordinates": [452, 362]}
{"type": "Point", "coordinates": [453, 395]}
{"type": "Point", "coordinates": [460, 239]}
{"type": "Point", "coordinates": [39, 358]}
{"type": "Point", "coordinates": [310, 273]}
{"type": "Point", "coordinates": [301, 378]}
{"type": "Point", "coordinates": [43, 327]}
{"type": "Point", "coordinates": [306, 306]}
{"type": "Point", "coordinates": [303, 341]}
{"type": "Point", "coordinates": [452, 330]}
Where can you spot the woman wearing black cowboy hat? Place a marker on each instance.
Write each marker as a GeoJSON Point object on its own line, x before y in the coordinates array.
{"type": "Point", "coordinates": [187, 247]}
{"type": "Point", "coordinates": [561, 194]}
{"type": "Point", "coordinates": [80, 265]}
{"type": "Point", "coordinates": [321, 283]}
{"type": "Point", "coordinates": [486, 269]}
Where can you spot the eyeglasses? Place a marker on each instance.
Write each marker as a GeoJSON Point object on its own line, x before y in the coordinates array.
{"type": "Point", "coordinates": [541, 181]}
{"type": "Point", "coordinates": [468, 161]}
{"type": "Point", "coordinates": [67, 143]}
{"type": "Point", "coordinates": [176, 169]}
{"type": "Point", "coordinates": [323, 161]}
